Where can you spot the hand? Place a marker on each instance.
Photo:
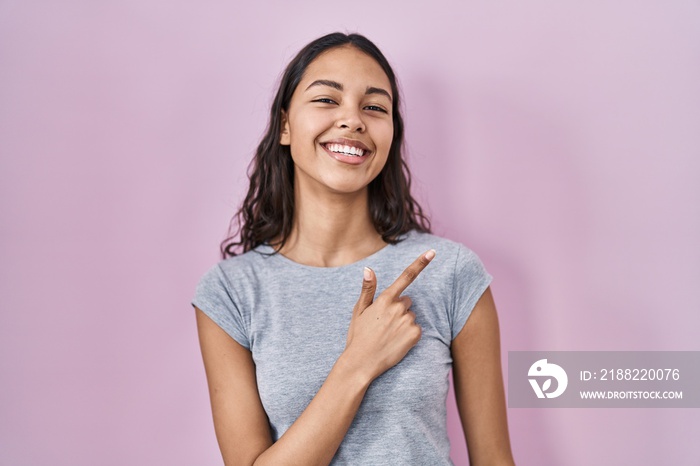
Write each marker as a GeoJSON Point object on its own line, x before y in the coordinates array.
{"type": "Point", "coordinates": [383, 331]}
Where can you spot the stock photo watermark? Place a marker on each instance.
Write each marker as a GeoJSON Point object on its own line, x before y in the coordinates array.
{"type": "Point", "coordinates": [604, 379]}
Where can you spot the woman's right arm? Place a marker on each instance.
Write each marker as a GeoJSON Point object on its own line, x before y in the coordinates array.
{"type": "Point", "coordinates": [380, 335]}
{"type": "Point", "coordinates": [241, 425]}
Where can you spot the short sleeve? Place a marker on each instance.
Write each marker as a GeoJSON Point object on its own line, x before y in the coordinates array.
{"type": "Point", "coordinates": [215, 297]}
{"type": "Point", "coordinates": [470, 281]}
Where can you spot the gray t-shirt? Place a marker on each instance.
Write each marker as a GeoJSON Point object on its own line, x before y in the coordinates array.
{"type": "Point", "coordinates": [294, 319]}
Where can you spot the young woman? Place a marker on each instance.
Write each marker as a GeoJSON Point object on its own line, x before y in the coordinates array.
{"type": "Point", "coordinates": [330, 338]}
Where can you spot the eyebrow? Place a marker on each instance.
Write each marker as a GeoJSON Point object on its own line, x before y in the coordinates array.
{"type": "Point", "coordinates": [338, 86]}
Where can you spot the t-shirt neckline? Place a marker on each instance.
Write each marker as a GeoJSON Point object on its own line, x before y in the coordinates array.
{"type": "Point", "coordinates": [284, 260]}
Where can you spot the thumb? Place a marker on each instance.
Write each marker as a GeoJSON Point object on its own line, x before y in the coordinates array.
{"type": "Point", "coordinates": [369, 286]}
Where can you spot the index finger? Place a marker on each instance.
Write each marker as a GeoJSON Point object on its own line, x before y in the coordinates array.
{"type": "Point", "coordinates": [410, 274]}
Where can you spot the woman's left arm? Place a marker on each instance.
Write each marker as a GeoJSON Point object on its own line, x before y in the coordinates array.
{"type": "Point", "coordinates": [476, 370]}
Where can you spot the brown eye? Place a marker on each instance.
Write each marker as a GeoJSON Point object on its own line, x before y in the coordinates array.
{"type": "Point", "coordinates": [375, 108]}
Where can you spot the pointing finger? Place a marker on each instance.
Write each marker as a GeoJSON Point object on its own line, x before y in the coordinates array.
{"type": "Point", "coordinates": [409, 275]}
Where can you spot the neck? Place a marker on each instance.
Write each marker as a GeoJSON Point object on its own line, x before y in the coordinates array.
{"type": "Point", "coordinates": [332, 230]}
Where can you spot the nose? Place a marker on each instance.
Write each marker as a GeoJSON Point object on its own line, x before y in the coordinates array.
{"type": "Point", "coordinates": [350, 118]}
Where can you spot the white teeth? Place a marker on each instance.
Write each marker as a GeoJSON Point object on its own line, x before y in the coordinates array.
{"type": "Point", "coordinates": [345, 150]}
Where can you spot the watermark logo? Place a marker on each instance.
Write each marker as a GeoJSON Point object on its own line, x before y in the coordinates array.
{"type": "Point", "coordinates": [604, 379]}
{"type": "Point", "coordinates": [547, 371]}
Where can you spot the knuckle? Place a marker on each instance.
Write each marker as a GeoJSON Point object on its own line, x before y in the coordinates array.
{"type": "Point", "coordinates": [410, 274]}
{"type": "Point", "coordinates": [417, 333]}
{"type": "Point", "coordinates": [382, 300]}
{"type": "Point", "coordinates": [412, 336]}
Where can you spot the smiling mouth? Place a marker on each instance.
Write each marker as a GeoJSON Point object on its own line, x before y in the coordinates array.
{"type": "Point", "coordinates": [343, 149]}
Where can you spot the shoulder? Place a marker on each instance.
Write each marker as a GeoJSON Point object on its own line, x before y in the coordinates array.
{"type": "Point", "coordinates": [226, 293]}
{"type": "Point", "coordinates": [456, 274]}
{"type": "Point", "coordinates": [454, 262]}
{"type": "Point", "coordinates": [234, 278]}
{"type": "Point", "coordinates": [241, 265]}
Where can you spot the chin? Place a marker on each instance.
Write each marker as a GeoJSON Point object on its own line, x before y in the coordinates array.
{"type": "Point", "coordinates": [347, 189]}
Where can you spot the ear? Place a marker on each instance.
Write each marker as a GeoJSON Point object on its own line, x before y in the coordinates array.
{"type": "Point", "coordinates": [284, 132]}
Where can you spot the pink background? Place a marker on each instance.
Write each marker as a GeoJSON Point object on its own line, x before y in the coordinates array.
{"type": "Point", "coordinates": [561, 142]}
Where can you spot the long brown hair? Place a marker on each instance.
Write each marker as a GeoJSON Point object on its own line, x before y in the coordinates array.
{"type": "Point", "coordinates": [268, 209]}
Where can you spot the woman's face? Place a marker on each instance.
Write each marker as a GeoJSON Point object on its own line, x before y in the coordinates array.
{"type": "Point", "coordinates": [339, 125]}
